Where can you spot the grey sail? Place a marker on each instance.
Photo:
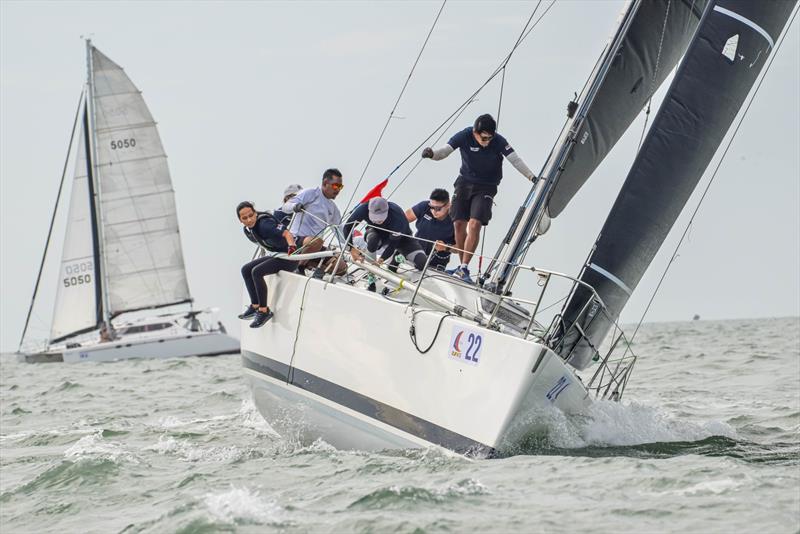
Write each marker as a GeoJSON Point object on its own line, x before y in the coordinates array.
{"type": "Point", "coordinates": [141, 245]}
{"type": "Point", "coordinates": [730, 49]}
{"type": "Point", "coordinates": [641, 64]}
{"type": "Point", "coordinates": [649, 40]}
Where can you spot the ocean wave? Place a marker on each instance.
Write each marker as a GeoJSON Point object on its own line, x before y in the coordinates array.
{"type": "Point", "coordinates": [407, 497]}
{"type": "Point", "coordinates": [192, 452]}
{"type": "Point", "coordinates": [96, 447]}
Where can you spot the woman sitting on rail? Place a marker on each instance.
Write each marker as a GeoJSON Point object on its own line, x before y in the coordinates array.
{"type": "Point", "coordinates": [267, 231]}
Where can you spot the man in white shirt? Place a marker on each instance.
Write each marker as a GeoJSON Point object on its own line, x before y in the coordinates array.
{"type": "Point", "coordinates": [315, 210]}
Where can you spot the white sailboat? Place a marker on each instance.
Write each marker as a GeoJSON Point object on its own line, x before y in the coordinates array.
{"type": "Point", "coordinates": [436, 362]}
{"type": "Point", "coordinates": [122, 250]}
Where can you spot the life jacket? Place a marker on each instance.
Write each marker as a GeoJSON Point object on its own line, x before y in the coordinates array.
{"type": "Point", "coordinates": [277, 244]}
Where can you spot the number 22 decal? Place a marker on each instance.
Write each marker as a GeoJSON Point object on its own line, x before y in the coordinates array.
{"type": "Point", "coordinates": [474, 341]}
{"type": "Point", "coordinates": [465, 345]}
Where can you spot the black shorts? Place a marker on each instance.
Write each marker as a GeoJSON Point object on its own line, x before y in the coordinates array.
{"type": "Point", "coordinates": [473, 201]}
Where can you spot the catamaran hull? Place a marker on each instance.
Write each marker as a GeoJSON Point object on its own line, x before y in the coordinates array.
{"type": "Point", "coordinates": [358, 382]}
{"type": "Point", "coordinates": [200, 344]}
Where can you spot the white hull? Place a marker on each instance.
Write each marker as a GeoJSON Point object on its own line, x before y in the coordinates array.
{"type": "Point", "coordinates": [191, 344]}
{"type": "Point", "coordinates": [337, 363]}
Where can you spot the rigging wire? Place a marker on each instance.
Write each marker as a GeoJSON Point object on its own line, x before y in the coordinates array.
{"type": "Point", "coordinates": [708, 186]}
{"type": "Point", "coordinates": [526, 30]}
{"type": "Point", "coordinates": [396, 103]}
{"type": "Point", "coordinates": [52, 220]}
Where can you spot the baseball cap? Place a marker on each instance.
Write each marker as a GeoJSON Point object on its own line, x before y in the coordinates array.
{"type": "Point", "coordinates": [292, 189]}
{"type": "Point", "coordinates": [378, 209]}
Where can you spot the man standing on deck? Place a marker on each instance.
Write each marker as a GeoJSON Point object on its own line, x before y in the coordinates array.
{"type": "Point", "coordinates": [482, 151]}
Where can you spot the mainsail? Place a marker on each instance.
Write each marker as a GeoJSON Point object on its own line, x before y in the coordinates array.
{"type": "Point", "coordinates": [649, 40]}
{"type": "Point", "coordinates": [726, 56]}
{"type": "Point", "coordinates": [141, 241]}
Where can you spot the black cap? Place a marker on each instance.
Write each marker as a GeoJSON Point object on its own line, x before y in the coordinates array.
{"type": "Point", "coordinates": [485, 123]}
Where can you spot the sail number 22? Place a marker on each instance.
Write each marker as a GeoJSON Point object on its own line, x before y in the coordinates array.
{"type": "Point", "coordinates": [123, 143]}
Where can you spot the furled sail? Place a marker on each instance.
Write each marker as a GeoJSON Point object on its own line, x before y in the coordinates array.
{"type": "Point", "coordinates": [77, 304]}
{"type": "Point", "coordinates": [652, 46]}
{"type": "Point", "coordinates": [730, 49]}
{"type": "Point", "coordinates": [141, 242]}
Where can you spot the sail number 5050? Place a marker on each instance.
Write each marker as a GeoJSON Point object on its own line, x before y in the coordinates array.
{"type": "Point", "coordinates": [77, 280]}
{"type": "Point", "coordinates": [78, 274]}
{"type": "Point", "coordinates": [123, 143]}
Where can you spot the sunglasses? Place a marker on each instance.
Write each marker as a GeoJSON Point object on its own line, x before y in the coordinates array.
{"type": "Point", "coordinates": [437, 208]}
{"type": "Point", "coordinates": [337, 187]}
{"type": "Point", "coordinates": [486, 137]}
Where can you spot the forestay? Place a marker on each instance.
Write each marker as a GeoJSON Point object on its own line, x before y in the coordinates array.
{"type": "Point", "coordinates": [726, 56]}
{"type": "Point", "coordinates": [141, 242]}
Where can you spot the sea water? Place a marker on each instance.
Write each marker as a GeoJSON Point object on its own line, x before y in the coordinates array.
{"type": "Point", "coordinates": [706, 439]}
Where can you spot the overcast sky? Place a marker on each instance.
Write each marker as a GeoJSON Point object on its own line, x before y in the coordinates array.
{"type": "Point", "coordinates": [251, 96]}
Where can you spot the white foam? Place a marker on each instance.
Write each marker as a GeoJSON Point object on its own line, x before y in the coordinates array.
{"type": "Point", "coordinates": [250, 418]}
{"type": "Point", "coordinates": [240, 505]}
{"type": "Point", "coordinates": [616, 424]}
{"type": "Point", "coordinates": [189, 452]}
{"type": "Point", "coordinates": [94, 446]}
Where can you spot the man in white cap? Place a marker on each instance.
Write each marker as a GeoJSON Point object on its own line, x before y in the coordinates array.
{"type": "Point", "coordinates": [386, 226]}
{"type": "Point", "coordinates": [291, 192]}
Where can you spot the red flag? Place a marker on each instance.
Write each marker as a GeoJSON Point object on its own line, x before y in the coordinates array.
{"type": "Point", "coordinates": [376, 191]}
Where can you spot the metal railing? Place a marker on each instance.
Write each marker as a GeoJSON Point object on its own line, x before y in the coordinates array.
{"type": "Point", "coordinates": [613, 370]}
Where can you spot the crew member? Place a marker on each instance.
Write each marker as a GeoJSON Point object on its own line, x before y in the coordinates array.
{"type": "Point", "coordinates": [387, 227]}
{"type": "Point", "coordinates": [265, 230]}
{"type": "Point", "coordinates": [434, 224]}
{"type": "Point", "coordinates": [315, 210]}
{"type": "Point", "coordinates": [482, 151]}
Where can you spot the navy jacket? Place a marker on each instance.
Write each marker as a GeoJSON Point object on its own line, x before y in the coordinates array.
{"type": "Point", "coordinates": [395, 228]}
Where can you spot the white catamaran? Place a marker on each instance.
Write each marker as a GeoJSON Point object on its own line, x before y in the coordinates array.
{"type": "Point", "coordinates": [434, 361]}
{"type": "Point", "coordinates": [122, 250]}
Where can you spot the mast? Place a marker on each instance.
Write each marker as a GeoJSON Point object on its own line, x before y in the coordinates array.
{"type": "Point", "coordinates": [535, 203]}
{"type": "Point", "coordinates": [94, 191]}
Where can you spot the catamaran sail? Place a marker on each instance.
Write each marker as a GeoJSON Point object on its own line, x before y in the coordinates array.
{"type": "Point", "coordinates": [122, 249]}
{"type": "Point", "coordinates": [727, 54]}
{"type": "Point", "coordinates": [77, 306]}
{"type": "Point", "coordinates": [650, 39]}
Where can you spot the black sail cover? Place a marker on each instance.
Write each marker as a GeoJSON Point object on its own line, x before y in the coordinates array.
{"type": "Point", "coordinates": [655, 41]}
{"type": "Point", "coordinates": [731, 47]}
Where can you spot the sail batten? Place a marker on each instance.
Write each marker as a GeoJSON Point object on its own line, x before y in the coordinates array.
{"type": "Point", "coordinates": [701, 104]}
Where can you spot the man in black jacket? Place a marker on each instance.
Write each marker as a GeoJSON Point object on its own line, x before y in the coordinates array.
{"type": "Point", "coordinates": [387, 227]}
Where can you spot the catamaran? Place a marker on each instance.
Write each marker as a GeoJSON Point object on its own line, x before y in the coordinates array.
{"type": "Point", "coordinates": [432, 361]}
{"type": "Point", "coordinates": [122, 251]}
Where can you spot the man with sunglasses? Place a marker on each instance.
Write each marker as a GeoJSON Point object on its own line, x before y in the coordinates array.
{"type": "Point", "coordinates": [482, 151]}
{"type": "Point", "coordinates": [434, 227]}
{"type": "Point", "coordinates": [314, 210]}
